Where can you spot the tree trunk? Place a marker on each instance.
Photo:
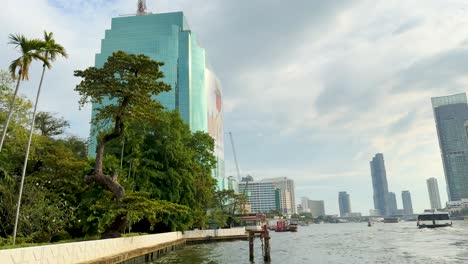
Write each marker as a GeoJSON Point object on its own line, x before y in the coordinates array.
{"type": "Point", "coordinates": [25, 164]}
{"type": "Point", "coordinates": [10, 111]}
{"type": "Point", "coordinates": [97, 175]}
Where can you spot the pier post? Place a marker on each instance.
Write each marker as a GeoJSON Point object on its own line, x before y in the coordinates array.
{"type": "Point", "coordinates": [266, 237]}
{"type": "Point", "coordinates": [251, 245]}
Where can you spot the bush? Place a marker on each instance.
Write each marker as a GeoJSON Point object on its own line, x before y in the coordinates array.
{"type": "Point", "coordinates": [40, 237]}
{"type": "Point", "coordinates": [61, 235]}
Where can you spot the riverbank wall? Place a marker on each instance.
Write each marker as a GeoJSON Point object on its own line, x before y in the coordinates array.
{"type": "Point", "coordinates": [127, 250]}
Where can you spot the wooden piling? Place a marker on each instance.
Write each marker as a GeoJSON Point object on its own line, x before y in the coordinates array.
{"type": "Point", "coordinates": [266, 237]}
{"type": "Point", "coordinates": [251, 245]}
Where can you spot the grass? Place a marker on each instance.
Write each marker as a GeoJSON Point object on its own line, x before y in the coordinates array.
{"type": "Point", "coordinates": [7, 243]}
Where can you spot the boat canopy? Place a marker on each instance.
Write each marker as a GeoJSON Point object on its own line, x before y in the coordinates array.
{"type": "Point", "coordinates": [436, 216]}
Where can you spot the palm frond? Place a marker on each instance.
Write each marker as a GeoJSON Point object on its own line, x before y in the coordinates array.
{"type": "Point", "coordinates": [51, 49]}
{"type": "Point", "coordinates": [15, 65]}
{"type": "Point", "coordinates": [30, 50]}
{"type": "Point", "coordinates": [16, 39]}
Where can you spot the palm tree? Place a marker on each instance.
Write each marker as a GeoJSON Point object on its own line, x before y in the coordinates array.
{"type": "Point", "coordinates": [19, 69]}
{"type": "Point", "coordinates": [48, 52]}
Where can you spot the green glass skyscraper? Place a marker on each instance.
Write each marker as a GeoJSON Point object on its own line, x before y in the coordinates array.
{"type": "Point", "coordinates": [196, 92]}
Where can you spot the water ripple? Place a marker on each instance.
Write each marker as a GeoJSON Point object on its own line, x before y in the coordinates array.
{"type": "Point", "coordinates": [352, 243]}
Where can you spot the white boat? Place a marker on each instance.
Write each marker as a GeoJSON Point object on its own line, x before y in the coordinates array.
{"type": "Point", "coordinates": [434, 219]}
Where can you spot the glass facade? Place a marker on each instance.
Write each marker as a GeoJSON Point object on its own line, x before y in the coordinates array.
{"type": "Point", "coordinates": [317, 208]}
{"type": "Point", "coordinates": [451, 116]}
{"type": "Point", "coordinates": [260, 195]}
{"type": "Point", "coordinates": [434, 196]}
{"type": "Point", "coordinates": [167, 38]}
{"type": "Point", "coordinates": [276, 194]}
{"type": "Point", "coordinates": [379, 184]}
{"type": "Point", "coordinates": [344, 203]}
{"type": "Point", "coordinates": [392, 204]}
{"type": "Point", "coordinates": [407, 203]}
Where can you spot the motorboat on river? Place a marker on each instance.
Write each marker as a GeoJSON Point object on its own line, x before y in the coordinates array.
{"type": "Point", "coordinates": [434, 219]}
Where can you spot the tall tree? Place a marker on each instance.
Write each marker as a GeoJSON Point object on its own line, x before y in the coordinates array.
{"type": "Point", "coordinates": [50, 125]}
{"type": "Point", "coordinates": [127, 83]}
{"type": "Point", "coordinates": [47, 51]}
{"type": "Point", "coordinates": [19, 68]}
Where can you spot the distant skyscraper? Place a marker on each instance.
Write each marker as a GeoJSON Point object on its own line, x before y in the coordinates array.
{"type": "Point", "coordinates": [344, 203]}
{"type": "Point", "coordinates": [451, 116]}
{"type": "Point", "coordinates": [317, 208]}
{"type": "Point", "coordinates": [434, 196]}
{"type": "Point", "coordinates": [407, 203]}
{"type": "Point", "coordinates": [305, 204]}
{"type": "Point", "coordinates": [287, 194]}
{"type": "Point", "coordinates": [379, 184]}
{"type": "Point", "coordinates": [392, 203]}
{"type": "Point", "coordinates": [270, 194]}
{"type": "Point", "coordinates": [262, 196]}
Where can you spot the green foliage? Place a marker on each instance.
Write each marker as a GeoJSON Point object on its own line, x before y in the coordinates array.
{"type": "Point", "coordinates": [130, 81]}
{"type": "Point", "coordinates": [61, 236]}
{"type": "Point", "coordinates": [163, 158]}
{"type": "Point", "coordinates": [166, 168]}
{"type": "Point", "coordinates": [50, 50]}
{"type": "Point", "coordinates": [22, 105]}
{"type": "Point", "coordinates": [49, 125]}
{"type": "Point", "coordinates": [138, 206]}
{"type": "Point", "coordinates": [54, 177]}
{"type": "Point", "coordinates": [226, 205]}
{"type": "Point", "coordinates": [30, 50]}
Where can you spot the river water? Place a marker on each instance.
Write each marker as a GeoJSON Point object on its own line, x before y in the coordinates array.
{"type": "Point", "coordinates": [351, 243]}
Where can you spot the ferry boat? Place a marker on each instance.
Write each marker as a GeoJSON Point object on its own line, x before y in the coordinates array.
{"type": "Point", "coordinates": [434, 219]}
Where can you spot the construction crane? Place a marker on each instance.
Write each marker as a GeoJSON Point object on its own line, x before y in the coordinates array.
{"type": "Point", "coordinates": [235, 157]}
{"type": "Point", "coordinates": [238, 173]}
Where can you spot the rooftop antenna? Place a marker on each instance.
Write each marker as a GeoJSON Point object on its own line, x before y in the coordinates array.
{"type": "Point", "coordinates": [141, 8]}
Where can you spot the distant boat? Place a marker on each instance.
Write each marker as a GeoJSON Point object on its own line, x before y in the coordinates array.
{"type": "Point", "coordinates": [391, 220]}
{"type": "Point", "coordinates": [434, 219]}
{"type": "Point", "coordinates": [282, 226]}
{"type": "Point", "coordinates": [293, 228]}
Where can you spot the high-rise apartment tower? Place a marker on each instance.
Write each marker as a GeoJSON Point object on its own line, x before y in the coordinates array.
{"type": "Point", "coordinates": [433, 190]}
{"type": "Point", "coordinates": [379, 184]}
{"type": "Point", "coordinates": [345, 203]}
{"type": "Point", "coordinates": [451, 117]}
{"type": "Point", "coordinates": [407, 203]}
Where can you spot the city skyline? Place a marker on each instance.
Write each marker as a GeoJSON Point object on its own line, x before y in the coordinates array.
{"type": "Point", "coordinates": [340, 82]}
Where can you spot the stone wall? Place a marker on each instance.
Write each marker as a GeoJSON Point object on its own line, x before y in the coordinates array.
{"type": "Point", "coordinates": [89, 251]}
{"type": "Point", "coordinates": [83, 251]}
{"type": "Point", "coordinates": [214, 233]}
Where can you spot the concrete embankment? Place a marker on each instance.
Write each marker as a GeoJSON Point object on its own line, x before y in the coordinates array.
{"type": "Point", "coordinates": [128, 250]}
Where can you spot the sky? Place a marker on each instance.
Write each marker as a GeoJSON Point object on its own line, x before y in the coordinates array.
{"type": "Point", "coordinates": [312, 88]}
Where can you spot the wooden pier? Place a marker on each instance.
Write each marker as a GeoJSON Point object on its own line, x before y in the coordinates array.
{"type": "Point", "coordinates": [264, 236]}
